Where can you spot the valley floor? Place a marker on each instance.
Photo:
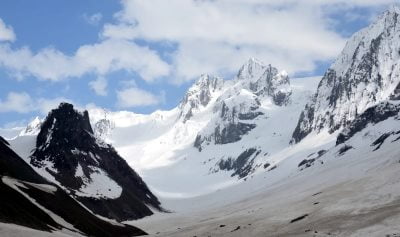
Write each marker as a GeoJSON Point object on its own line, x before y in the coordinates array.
{"type": "Point", "coordinates": [345, 196]}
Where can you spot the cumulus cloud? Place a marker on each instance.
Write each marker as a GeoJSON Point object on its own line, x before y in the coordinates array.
{"type": "Point", "coordinates": [22, 102]}
{"type": "Point", "coordinates": [210, 37]}
{"type": "Point", "coordinates": [217, 36]}
{"type": "Point", "coordinates": [99, 86]}
{"type": "Point", "coordinates": [17, 102]}
{"type": "Point", "coordinates": [6, 32]}
{"type": "Point", "coordinates": [133, 96]}
{"type": "Point", "coordinates": [93, 19]}
{"type": "Point", "coordinates": [101, 58]}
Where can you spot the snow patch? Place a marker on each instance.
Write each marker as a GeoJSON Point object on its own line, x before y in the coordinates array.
{"type": "Point", "coordinates": [98, 185]}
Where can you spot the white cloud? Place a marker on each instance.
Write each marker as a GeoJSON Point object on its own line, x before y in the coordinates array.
{"type": "Point", "coordinates": [16, 102]}
{"type": "Point", "coordinates": [217, 36]}
{"type": "Point", "coordinates": [134, 97]}
{"type": "Point", "coordinates": [22, 102]}
{"type": "Point", "coordinates": [99, 86]}
{"type": "Point", "coordinates": [6, 32]}
{"type": "Point", "coordinates": [93, 19]}
{"type": "Point", "coordinates": [107, 56]}
{"type": "Point", "coordinates": [211, 37]}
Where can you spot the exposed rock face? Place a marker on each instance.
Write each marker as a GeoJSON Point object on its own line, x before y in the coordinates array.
{"type": "Point", "coordinates": [242, 165]}
{"type": "Point", "coordinates": [265, 80]}
{"type": "Point", "coordinates": [20, 184]}
{"type": "Point", "coordinates": [235, 113]}
{"type": "Point", "coordinates": [68, 152]}
{"type": "Point", "coordinates": [103, 127]}
{"type": "Point", "coordinates": [366, 73]}
{"type": "Point", "coordinates": [239, 104]}
{"type": "Point", "coordinates": [199, 95]}
{"type": "Point", "coordinates": [372, 115]}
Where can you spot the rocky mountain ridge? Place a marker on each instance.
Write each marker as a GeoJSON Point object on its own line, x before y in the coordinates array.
{"type": "Point", "coordinates": [366, 73]}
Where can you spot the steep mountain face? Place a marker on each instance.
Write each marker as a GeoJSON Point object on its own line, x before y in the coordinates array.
{"type": "Point", "coordinates": [371, 116]}
{"type": "Point", "coordinates": [33, 128]}
{"type": "Point", "coordinates": [103, 127]}
{"type": "Point", "coordinates": [29, 200]}
{"type": "Point", "coordinates": [68, 152]}
{"type": "Point", "coordinates": [240, 103]}
{"type": "Point", "coordinates": [366, 73]}
{"type": "Point", "coordinates": [265, 80]}
{"type": "Point", "coordinates": [199, 95]}
{"type": "Point", "coordinates": [234, 112]}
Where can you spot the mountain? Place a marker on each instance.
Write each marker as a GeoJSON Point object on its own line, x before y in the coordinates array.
{"type": "Point", "coordinates": [339, 175]}
{"type": "Point", "coordinates": [27, 199]}
{"type": "Point", "coordinates": [221, 129]}
{"type": "Point", "coordinates": [199, 95]}
{"type": "Point", "coordinates": [366, 73]}
{"type": "Point", "coordinates": [68, 153]}
{"type": "Point", "coordinates": [240, 103]}
{"type": "Point", "coordinates": [33, 127]}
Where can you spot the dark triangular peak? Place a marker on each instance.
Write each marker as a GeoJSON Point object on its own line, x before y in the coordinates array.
{"type": "Point", "coordinates": [63, 122]}
{"type": "Point", "coordinates": [20, 185]}
{"type": "Point", "coordinates": [64, 131]}
{"type": "Point", "coordinates": [68, 152]}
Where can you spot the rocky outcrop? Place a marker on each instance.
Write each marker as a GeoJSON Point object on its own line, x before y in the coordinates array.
{"type": "Point", "coordinates": [243, 165]}
{"type": "Point", "coordinates": [372, 116]}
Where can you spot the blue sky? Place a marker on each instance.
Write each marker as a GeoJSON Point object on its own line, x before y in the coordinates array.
{"type": "Point", "coordinates": [143, 55]}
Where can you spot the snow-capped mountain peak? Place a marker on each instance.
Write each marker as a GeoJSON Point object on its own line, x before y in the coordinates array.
{"type": "Point", "coordinates": [199, 95]}
{"type": "Point", "coordinates": [395, 8]}
{"type": "Point", "coordinates": [33, 127]}
{"type": "Point", "coordinates": [366, 73]}
{"type": "Point", "coordinates": [251, 70]}
{"type": "Point", "coordinates": [240, 101]}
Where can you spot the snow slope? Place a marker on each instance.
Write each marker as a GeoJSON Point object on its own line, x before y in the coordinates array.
{"type": "Point", "coordinates": [161, 146]}
{"type": "Point", "coordinates": [351, 193]}
{"type": "Point", "coordinates": [11, 230]}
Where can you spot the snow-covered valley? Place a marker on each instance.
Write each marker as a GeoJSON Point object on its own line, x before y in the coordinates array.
{"type": "Point", "coordinates": [345, 196]}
